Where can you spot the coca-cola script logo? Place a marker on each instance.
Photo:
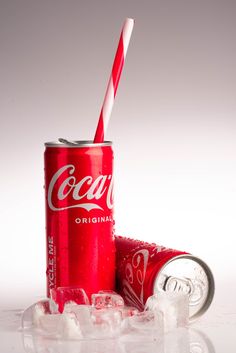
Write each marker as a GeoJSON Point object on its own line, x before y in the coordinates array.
{"type": "Point", "coordinates": [93, 189]}
{"type": "Point", "coordinates": [135, 272]}
{"type": "Point", "coordinates": [135, 275]}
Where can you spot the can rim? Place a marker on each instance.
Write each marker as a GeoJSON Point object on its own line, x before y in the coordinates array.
{"type": "Point", "coordinates": [210, 278]}
{"type": "Point", "coordinates": [79, 144]}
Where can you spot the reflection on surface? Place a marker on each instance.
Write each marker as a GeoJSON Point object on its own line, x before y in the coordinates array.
{"type": "Point", "coordinates": [199, 342]}
{"type": "Point", "coordinates": [10, 319]}
{"type": "Point", "coordinates": [179, 341]}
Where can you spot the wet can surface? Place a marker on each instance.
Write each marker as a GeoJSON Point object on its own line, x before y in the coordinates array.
{"type": "Point", "coordinates": [143, 269]}
{"type": "Point", "coordinates": [79, 216]}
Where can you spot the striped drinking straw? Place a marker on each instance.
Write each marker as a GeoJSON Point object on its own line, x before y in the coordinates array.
{"type": "Point", "coordinates": [114, 80]}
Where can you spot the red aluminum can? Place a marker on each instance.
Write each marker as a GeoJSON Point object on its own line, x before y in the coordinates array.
{"type": "Point", "coordinates": [143, 269]}
{"type": "Point", "coordinates": [79, 215]}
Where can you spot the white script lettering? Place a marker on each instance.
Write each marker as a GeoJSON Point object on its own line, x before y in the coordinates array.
{"type": "Point", "coordinates": [93, 189]}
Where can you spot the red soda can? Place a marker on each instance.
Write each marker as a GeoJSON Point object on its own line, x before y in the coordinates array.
{"type": "Point", "coordinates": [143, 269]}
{"type": "Point", "coordinates": [79, 215]}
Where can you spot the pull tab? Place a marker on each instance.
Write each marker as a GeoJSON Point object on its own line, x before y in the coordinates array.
{"type": "Point", "coordinates": [185, 285]}
{"type": "Point", "coordinates": [70, 143]}
{"type": "Point", "coordinates": [176, 284]}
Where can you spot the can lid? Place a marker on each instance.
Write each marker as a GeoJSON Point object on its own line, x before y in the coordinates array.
{"type": "Point", "coordinates": [78, 144]}
{"type": "Point", "coordinates": [190, 275]}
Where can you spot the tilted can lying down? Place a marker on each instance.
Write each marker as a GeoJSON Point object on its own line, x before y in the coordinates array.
{"type": "Point", "coordinates": [143, 269]}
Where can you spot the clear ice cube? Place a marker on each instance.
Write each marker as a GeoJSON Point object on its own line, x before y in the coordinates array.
{"type": "Point", "coordinates": [146, 325]}
{"type": "Point", "coordinates": [49, 323]}
{"type": "Point", "coordinates": [107, 299]}
{"type": "Point", "coordinates": [148, 321]}
{"type": "Point", "coordinates": [83, 316]}
{"type": "Point", "coordinates": [128, 311]}
{"type": "Point", "coordinates": [107, 291]}
{"type": "Point", "coordinates": [63, 326]}
{"type": "Point", "coordinates": [174, 306]}
{"type": "Point", "coordinates": [31, 316]}
{"type": "Point", "coordinates": [61, 295]}
{"type": "Point", "coordinates": [108, 318]}
{"type": "Point", "coordinates": [69, 327]}
{"type": "Point", "coordinates": [106, 323]}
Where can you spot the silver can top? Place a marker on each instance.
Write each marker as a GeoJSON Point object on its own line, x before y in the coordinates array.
{"type": "Point", "coordinates": [190, 275]}
{"type": "Point", "coordinates": [77, 144]}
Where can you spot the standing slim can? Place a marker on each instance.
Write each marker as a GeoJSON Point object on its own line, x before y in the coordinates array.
{"type": "Point", "coordinates": [79, 216]}
{"type": "Point", "coordinates": [144, 269]}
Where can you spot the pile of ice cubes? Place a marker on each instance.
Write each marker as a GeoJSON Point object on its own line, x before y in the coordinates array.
{"type": "Point", "coordinates": [69, 315]}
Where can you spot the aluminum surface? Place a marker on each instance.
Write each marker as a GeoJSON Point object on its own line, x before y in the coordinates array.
{"type": "Point", "coordinates": [190, 275]}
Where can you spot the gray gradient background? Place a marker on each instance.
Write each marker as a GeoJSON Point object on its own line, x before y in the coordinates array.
{"type": "Point", "coordinates": [173, 124]}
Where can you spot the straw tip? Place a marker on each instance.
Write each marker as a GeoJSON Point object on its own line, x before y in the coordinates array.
{"type": "Point", "coordinates": [129, 24]}
{"type": "Point", "coordinates": [129, 19]}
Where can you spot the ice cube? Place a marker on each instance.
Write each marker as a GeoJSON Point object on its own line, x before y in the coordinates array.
{"type": "Point", "coordinates": [83, 316]}
{"type": "Point", "coordinates": [106, 323]}
{"type": "Point", "coordinates": [107, 300]}
{"type": "Point", "coordinates": [148, 321]}
{"type": "Point", "coordinates": [53, 307]}
{"type": "Point", "coordinates": [49, 323]}
{"type": "Point", "coordinates": [146, 325]}
{"type": "Point", "coordinates": [64, 326]}
{"type": "Point", "coordinates": [61, 295]}
{"type": "Point", "coordinates": [31, 316]}
{"type": "Point", "coordinates": [174, 306]}
{"type": "Point", "coordinates": [128, 311]}
{"type": "Point", "coordinates": [69, 327]}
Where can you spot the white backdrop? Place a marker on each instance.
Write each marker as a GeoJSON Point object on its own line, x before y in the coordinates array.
{"type": "Point", "coordinates": [173, 124]}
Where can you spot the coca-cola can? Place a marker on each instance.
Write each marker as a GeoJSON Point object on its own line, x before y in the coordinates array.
{"type": "Point", "coordinates": [79, 215]}
{"type": "Point", "coordinates": [143, 269]}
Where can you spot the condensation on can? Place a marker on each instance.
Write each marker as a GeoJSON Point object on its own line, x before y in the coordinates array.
{"type": "Point", "coordinates": [79, 215]}
{"type": "Point", "coordinates": [144, 269]}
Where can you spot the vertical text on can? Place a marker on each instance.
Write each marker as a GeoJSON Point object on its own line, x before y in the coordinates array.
{"type": "Point", "coordinates": [79, 215]}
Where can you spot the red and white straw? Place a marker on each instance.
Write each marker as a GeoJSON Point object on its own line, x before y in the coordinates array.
{"type": "Point", "coordinates": [114, 80]}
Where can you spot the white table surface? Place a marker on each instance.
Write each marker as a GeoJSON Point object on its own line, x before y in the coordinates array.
{"type": "Point", "coordinates": [214, 332]}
